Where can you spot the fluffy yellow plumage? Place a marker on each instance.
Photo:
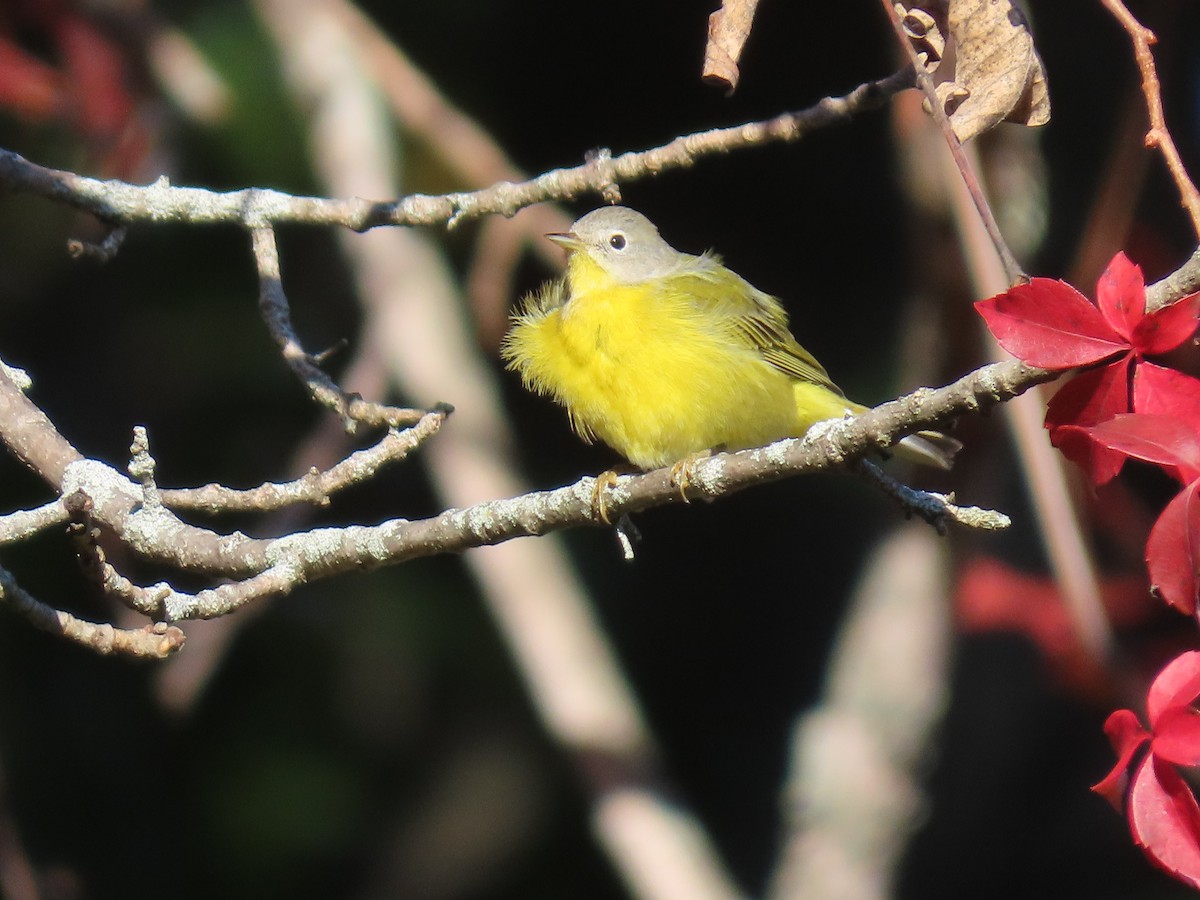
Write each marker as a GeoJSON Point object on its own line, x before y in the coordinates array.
{"type": "Point", "coordinates": [662, 355]}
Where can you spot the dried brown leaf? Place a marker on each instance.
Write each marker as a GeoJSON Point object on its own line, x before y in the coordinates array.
{"type": "Point", "coordinates": [998, 76]}
{"type": "Point", "coordinates": [728, 29]}
{"type": "Point", "coordinates": [926, 28]}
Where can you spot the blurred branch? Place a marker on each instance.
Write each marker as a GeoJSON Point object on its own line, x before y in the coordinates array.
{"type": "Point", "coordinates": [18, 880]}
{"type": "Point", "coordinates": [160, 202]}
{"type": "Point", "coordinates": [1044, 467]}
{"type": "Point", "coordinates": [475, 156]}
{"type": "Point", "coordinates": [1158, 136]}
{"type": "Point", "coordinates": [852, 798]}
{"type": "Point", "coordinates": [413, 319]}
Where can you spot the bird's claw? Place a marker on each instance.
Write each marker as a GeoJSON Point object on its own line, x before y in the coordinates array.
{"type": "Point", "coordinates": [605, 481]}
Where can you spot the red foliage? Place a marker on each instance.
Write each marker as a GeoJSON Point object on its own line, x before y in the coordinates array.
{"type": "Point", "coordinates": [992, 596]}
{"type": "Point", "coordinates": [1131, 408]}
{"type": "Point", "coordinates": [80, 74]}
{"type": "Point", "coordinates": [1163, 814]}
{"type": "Point", "coordinates": [1128, 408]}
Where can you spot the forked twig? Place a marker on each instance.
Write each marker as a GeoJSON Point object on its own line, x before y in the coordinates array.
{"type": "Point", "coordinates": [1159, 136]}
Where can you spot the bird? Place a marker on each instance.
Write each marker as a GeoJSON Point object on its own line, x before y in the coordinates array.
{"type": "Point", "coordinates": [664, 355]}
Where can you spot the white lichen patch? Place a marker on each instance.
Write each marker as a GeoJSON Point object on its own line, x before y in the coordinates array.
{"type": "Point", "coordinates": [104, 484]}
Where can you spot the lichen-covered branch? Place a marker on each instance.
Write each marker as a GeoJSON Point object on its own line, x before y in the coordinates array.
{"type": "Point", "coordinates": [277, 315]}
{"type": "Point", "coordinates": [154, 641]}
{"type": "Point", "coordinates": [162, 202]}
{"type": "Point", "coordinates": [314, 487]}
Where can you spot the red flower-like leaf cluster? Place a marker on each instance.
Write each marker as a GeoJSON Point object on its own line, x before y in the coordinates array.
{"type": "Point", "coordinates": [1048, 323]}
{"type": "Point", "coordinates": [1163, 815]}
{"type": "Point", "coordinates": [1126, 408]}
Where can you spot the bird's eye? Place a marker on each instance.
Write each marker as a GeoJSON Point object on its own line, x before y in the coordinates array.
{"type": "Point", "coordinates": [617, 241]}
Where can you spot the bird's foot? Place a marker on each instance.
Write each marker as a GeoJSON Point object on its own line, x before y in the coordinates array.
{"type": "Point", "coordinates": [605, 482]}
{"type": "Point", "coordinates": [683, 472]}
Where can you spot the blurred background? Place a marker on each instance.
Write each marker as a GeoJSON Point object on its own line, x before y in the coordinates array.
{"type": "Point", "coordinates": [392, 734]}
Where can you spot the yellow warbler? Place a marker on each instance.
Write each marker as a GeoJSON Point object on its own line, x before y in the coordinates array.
{"type": "Point", "coordinates": [663, 355]}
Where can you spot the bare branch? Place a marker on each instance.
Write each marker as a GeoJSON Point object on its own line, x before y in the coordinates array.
{"type": "Point", "coordinates": [936, 509]}
{"type": "Point", "coordinates": [277, 566]}
{"type": "Point", "coordinates": [1183, 281]}
{"type": "Point", "coordinates": [25, 523]}
{"type": "Point", "coordinates": [273, 303]}
{"type": "Point", "coordinates": [160, 202]}
{"type": "Point", "coordinates": [1012, 268]}
{"type": "Point", "coordinates": [1159, 136]}
{"type": "Point", "coordinates": [155, 641]}
{"type": "Point", "coordinates": [320, 553]}
{"type": "Point", "coordinates": [314, 487]}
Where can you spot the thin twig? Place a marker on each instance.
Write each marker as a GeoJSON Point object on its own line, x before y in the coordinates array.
{"type": "Point", "coordinates": [1158, 137]}
{"type": "Point", "coordinates": [160, 202]}
{"type": "Point", "coordinates": [25, 523]}
{"type": "Point", "coordinates": [277, 314]}
{"type": "Point", "coordinates": [1012, 268]}
{"type": "Point", "coordinates": [156, 641]}
{"type": "Point", "coordinates": [1045, 469]}
{"type": "Point", "coordinates": [314, 487]}
{"type": "Point", "coordinates": [936, 509]}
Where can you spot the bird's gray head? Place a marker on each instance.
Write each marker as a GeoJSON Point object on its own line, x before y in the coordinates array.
{"type": "Point", "coordinates": [624, 243]}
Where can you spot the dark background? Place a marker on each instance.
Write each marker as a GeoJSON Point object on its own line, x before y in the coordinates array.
{"type": "Point", "coordinates": [374, 723]}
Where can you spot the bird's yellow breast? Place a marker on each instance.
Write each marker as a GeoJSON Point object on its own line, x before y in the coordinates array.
{"type": "Point", "coordinates": [651, 371]}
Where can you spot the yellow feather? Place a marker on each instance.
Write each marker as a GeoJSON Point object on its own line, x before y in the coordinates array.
{"type": "Point", "coordinates": [662, 355]}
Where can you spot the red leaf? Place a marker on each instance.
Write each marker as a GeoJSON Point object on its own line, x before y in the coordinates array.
{"type": "Point", "coordinates": [1121, 295]}
{"type": "Point", "coordinates": [1166, 392]}
{"type": "Point", "coordinates": [1177, 736]}
{"type": "Point", "coordinates": [1173, 551]}
{"type": "Point", "coordinates": [29, 87]}
{"type": "Point", "coordinates": [97, 70]}
{"type": "Point", "coordinates": [1162, 440]}
{"type": "Point", "coordinates": [1178, 684]}
{"type": "Point", "coordinates": [1126, 735]}
{"type": "Point", "coordinates": [1088, 399]}
{"type": "Point", "coordinates": [991, 596]}
{"type": "Point", "coordinates": [1167, 327]}
{"type": "Point", "coordinates": [1165, 819]}
{"type": "Point", "coordinates": [1048, 323]}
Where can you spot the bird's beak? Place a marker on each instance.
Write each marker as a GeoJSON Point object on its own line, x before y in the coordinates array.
{"type": "Point", "coordinates": [568, 240]}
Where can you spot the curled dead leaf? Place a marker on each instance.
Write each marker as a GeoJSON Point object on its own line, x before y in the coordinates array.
{"type": "Point", "coordinates": [926, 29]}
{"type": "Point", "coordinates": [728, 29]}
{"type": "Point", "coordinates": [998, 75]}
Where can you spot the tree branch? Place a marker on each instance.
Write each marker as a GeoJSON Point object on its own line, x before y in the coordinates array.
{"type": "Point", "coordinates": [277, 315]}
{"type": "Point", "coordinates": [160, 202]}
{"type": "Point", "coordinates": [154, 641]}
{"type": "Point", "coordinates": [1159, 136]}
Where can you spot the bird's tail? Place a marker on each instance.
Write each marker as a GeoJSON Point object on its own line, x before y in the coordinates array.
{"type": "Point", "coordinates": [929, 448]}
{"type": "Point", "coordinates": [926, 448]}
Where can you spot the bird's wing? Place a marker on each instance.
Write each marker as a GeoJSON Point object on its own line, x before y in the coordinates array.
{"type": "Point", "coordinates": [758, 321]}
